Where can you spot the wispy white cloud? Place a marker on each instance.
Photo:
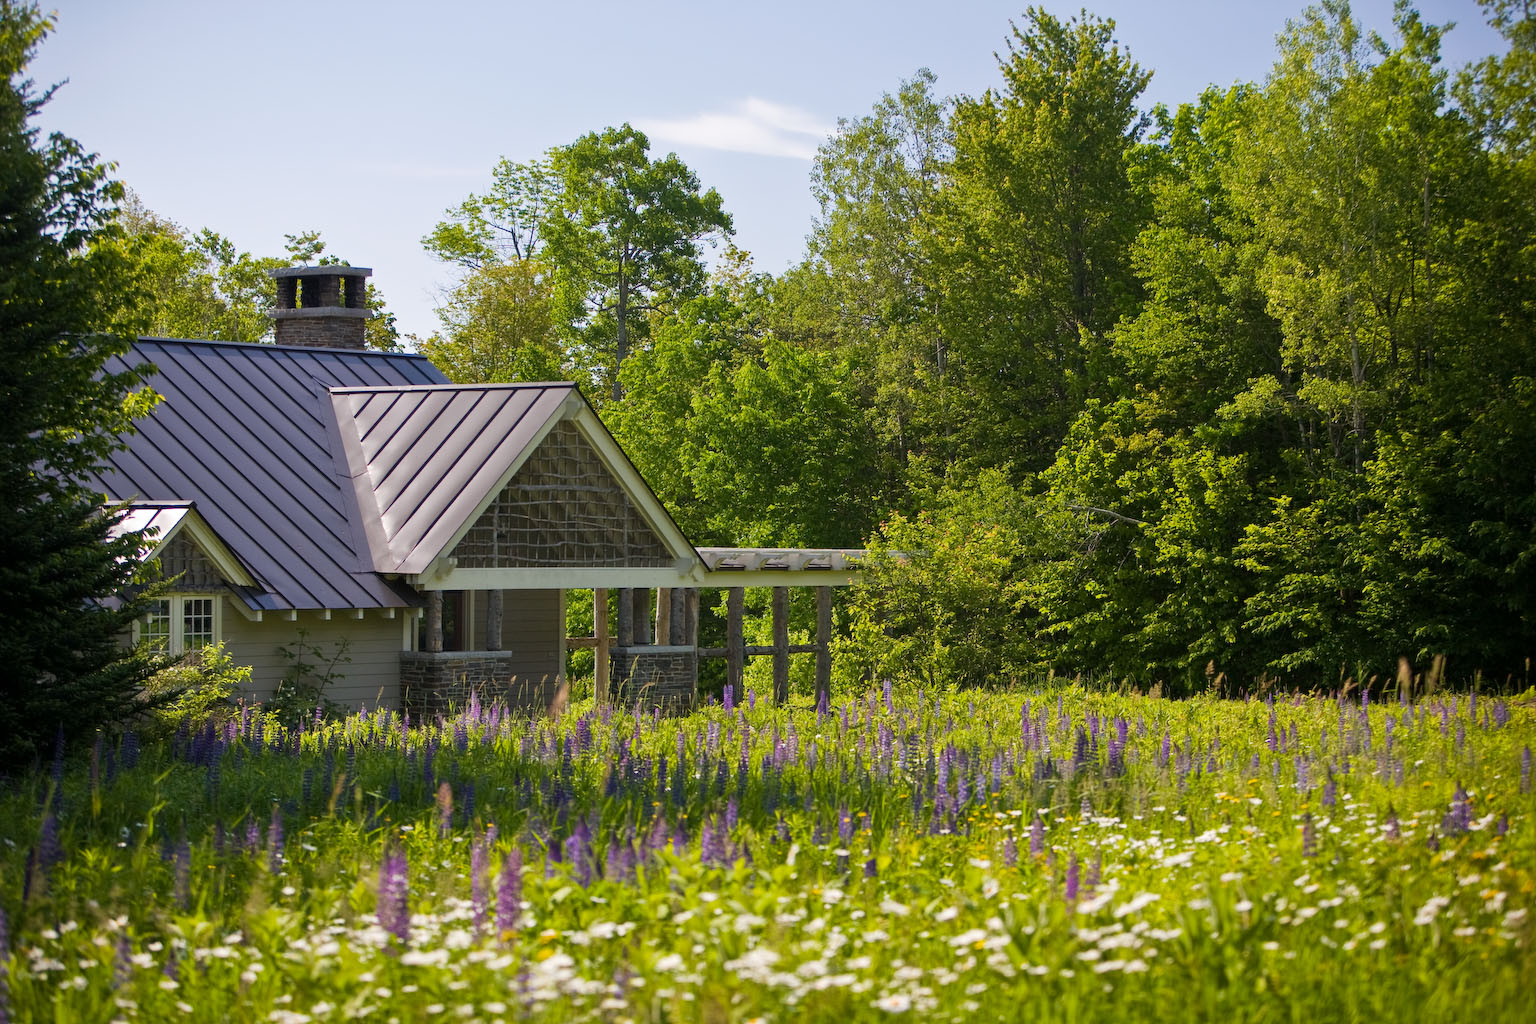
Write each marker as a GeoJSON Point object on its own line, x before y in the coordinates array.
{"type": "Point", "coordinates": [749, 126]}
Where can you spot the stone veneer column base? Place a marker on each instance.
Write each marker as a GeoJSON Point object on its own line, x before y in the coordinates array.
{"type": "Point", "coordinates": [662, 676]}
{"type": "Point", "coordinates": [434, 682]}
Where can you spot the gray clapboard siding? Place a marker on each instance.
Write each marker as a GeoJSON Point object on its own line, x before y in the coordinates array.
{"type": "Point", "coordinates": [374, 645]}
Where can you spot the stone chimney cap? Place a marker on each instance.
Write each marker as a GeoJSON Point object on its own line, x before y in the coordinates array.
{"type": "Point", "coordinates": [336, 269]}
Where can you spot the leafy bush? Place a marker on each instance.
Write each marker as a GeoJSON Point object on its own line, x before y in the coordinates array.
{"type": "Point", "coordinates": [300, 694]}
{"type": "Point", "coordinates": [200, 687]}
{"type": "Point", "coordinates": [945, 594]}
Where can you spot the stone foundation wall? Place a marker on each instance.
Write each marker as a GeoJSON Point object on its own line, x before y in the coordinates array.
{"type": "Point", "coordinates": [436, 682]}
{"type": "Point", "coordinates": [656, 676]}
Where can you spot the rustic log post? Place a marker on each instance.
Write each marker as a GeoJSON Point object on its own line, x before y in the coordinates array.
{"type": "Point", "coordinates": [686, 605]}
{"type": "Point", "coordinates": [435, 621]}
{"type": "Point", "coordinates": [493, 620]}
{"type": "Point", "coordinates": [780, 645]}
{"type": "Point", "coordinates": [600, 655]}
{"type": "Point", "coordinates": [677, 600]}
{"type": "Point", "coordinates": [663, 615]}
{"type": "Point", "coordinates": [823, 644]}
{"type": "Point", "coordinates": [641, 616]}
{"type": "Point", "coordinates": [735, 645]}
{"type": "Point", "coordinates": [626, 618]}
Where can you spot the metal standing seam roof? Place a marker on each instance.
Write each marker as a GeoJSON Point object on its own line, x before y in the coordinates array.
{"type": "Point", "coordinates": [422, 460]}
{"type": "Point", "coordinates": [162, 517]}
{"type": "Point", "coordinates": [245, 432]}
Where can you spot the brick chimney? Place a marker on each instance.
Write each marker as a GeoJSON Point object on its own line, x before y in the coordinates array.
{"type": "Point", "coordinates": [321, 307]}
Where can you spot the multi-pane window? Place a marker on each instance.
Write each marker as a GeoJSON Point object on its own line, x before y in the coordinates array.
{"type": "Point", "coordinates": [196, 622]}
{"type": "Point", "coordinates": [175, 625]}
{"type": "Point", "coordinates": [155, 630]}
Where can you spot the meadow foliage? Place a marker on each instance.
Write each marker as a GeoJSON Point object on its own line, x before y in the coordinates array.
{"type": "Point", "coordinates": [1047, 853]}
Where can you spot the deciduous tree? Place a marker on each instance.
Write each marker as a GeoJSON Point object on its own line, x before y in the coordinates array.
{"type": "Point", "coordinates": [624, 239]}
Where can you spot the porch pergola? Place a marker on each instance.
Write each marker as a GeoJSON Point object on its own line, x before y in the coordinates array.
{"type": "Point", "coordinates": [676, 613]}
{"type": "Point", "coordinates": [655, 637]}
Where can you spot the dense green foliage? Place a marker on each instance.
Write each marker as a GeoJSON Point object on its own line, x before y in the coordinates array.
{"type": "Point", "coordinates": [1241, 388]}
{"type": "Point", "coordinates": [1050, 854]}
{"type": "Point", "coordinates": [203, 286]}
{"type": "Point", "coordinates": [62, 669]}
{"type": "Point", "coordinates": [596, 236]}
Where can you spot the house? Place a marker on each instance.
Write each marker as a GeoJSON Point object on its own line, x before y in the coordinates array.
{"type": "Point", "coordinates": [313, 489]}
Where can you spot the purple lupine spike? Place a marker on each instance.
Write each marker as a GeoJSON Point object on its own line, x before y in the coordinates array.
{"type": "Point", "coordinates": [509, 894]}
{"type": "Point", "coordinates": [1330, 790]}
{"type": "Point", "coordinates": [1071, 882]}
{"type": "Point", "coordinates": [479, 903]}
{"type": "Point", "coordinates": [751, 700]}
{"type": "Point", "coordinates": [1010, 851]}
{"type": "Point", "coordinates": [871, 868]}
{"type": "Point", "coordinates": [679, 840]}
{"type": "Point", "coordinates": [614, 867]}
{"type": "Point", "coordinates": [49, 850]}
{"type": "Point", "coordinates": [275, 838]}
{"type": "Point", "coordinates": [728, 699]}
{"type": "Point", "coordinates": [1308, 836]}
{"type": "Point", "coordinates": [578, 854]}
{"type": "Point", "coordinates": [183, 874]}
{"type": "Point", "coordinates": [711, 845]}
{"type": "Point", "coordinates": [394, 911]}
{"type": "Point", "coordinates": [252, 836]}
{"type": "Point", "coordinates": [1095, 872]}
{"type": "Point", "coordinates": [1525, 770]}
{"type": "Point", "coordinates": [732, 813]}
{"type": "Point", "coordinates": [1036, 836]}
{"type": "Point", "coordinates": [122, 965]}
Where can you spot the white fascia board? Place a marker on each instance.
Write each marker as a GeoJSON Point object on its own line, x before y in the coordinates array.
{"type": "Point", "coordinates": [215, 549]}
{"type": "Point", "coordinates": [557, 578]}
{"type": "Point", "coordinates": [250, 614]}
{"type": "Point", "coordinates": [781, 578]}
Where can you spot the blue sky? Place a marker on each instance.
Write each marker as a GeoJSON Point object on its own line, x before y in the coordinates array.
{"type": "Point", "coordinates": [365, 120]}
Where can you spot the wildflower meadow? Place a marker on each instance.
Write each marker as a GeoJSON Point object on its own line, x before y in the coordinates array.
{"type": "Point", "coordinates": [1046, 853]}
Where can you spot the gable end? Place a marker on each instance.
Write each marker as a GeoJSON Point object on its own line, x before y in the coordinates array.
{"type": "Point", "coordinates": [562, 508]}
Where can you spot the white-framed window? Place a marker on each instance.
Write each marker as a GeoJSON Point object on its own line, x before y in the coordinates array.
{"type": "Point", "coordinates": [181, 623]}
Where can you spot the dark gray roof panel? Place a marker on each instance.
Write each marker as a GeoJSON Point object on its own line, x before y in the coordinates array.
{"type": "Point", "coordinates": [245, 432]}
{"type": "Point", "coordinates": [423, 459]}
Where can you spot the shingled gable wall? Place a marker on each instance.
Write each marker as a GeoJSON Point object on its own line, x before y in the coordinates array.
{"type": "Point", "coordinates": [562, 508]}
